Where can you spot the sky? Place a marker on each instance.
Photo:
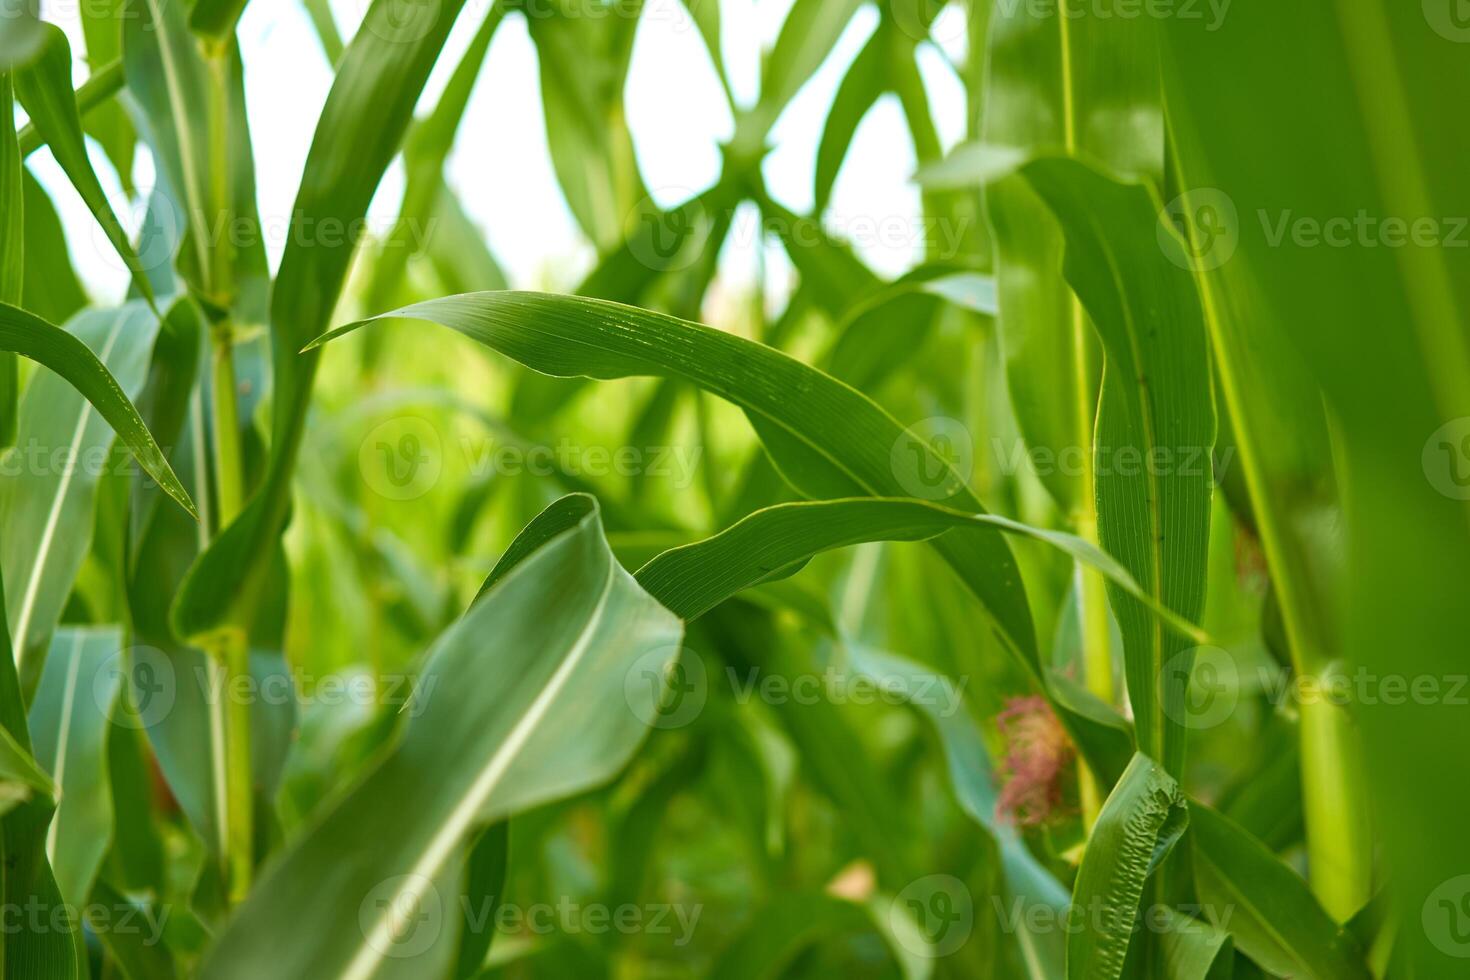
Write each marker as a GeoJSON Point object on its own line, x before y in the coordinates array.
{"type": "Point", "coordinates": [501, 168]}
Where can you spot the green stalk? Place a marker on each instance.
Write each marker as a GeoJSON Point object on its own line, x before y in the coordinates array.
{"type": "Point", "coordinates": [1097, 653]}
{"type": "Point", "coordinates": [233, 651]}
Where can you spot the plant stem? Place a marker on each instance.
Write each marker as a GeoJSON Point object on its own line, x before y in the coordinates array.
{"type": "Point", "coordinates": [230, 482]}
{"type": "Point", "coordinates": [1334, 791]}
{"type": "Point", "coordinates": [233, 651]}
{"type": "Point", "coordinates": [239, 786]}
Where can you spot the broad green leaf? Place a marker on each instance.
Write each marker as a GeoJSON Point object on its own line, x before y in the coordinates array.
{"type": "Point", "coordinates": [485, 738]}
{"type": "Point", "coordinates": [774, 542]}
{"type": "Point", "coordinates": [367, 112]}
{"type": "Point", "coordinates": [68, 422]}
{"type": "Point", "coordinates": [1143, 818]}
{"type": "Point", "coordinates": [44, 88]}
{"type": "Point", "coordinates": [808, 421]}
{"type": "Point", "coordinates": [1265, 905]}
{"type": "Point", "coordinates": [1155, 428]}
{"type": "Point", "coordinates": [70, 721]}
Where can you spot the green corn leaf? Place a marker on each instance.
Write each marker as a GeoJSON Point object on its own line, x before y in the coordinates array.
{"type": "Point", "coordinates": [44, 88]}
{"type": "Point", "coordinates": [68, 422]}
{"type": "Point", "coordinates": [774, 542]}
{"type": "Point", "coordinates": [861, 87]}
{"type": "Point", "coordinates": [484, 739]}
{"type": "Point", "coordinates": [1156, 410]}
{"type": "Point", "coordinates": [1265, 905]}
{"type": "Point", "coordinates": [1143, 818]}
{"type": "Point", "coordinates": [822, 434]}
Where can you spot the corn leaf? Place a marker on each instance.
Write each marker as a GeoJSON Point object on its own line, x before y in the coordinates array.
{"type": "Point", "coordinates": [44, 88]}
{"type": "Point", "coordinates": [488, 742]}
{"type": "Point", "coordinates": [1156, 410]}
{"type": "Point", "coordinates": [1140, 823]}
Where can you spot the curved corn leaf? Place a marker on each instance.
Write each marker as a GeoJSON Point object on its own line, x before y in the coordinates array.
{"type": "Point", "coordinates": [1193, 949]}
{"type": "Point", "coordinates": [1143, 818]}
{"type": "Point", "coordinates": [486, 738]}
{"type": "Point", "coordinates": [1157, 411]}
{"type": "Point", "coordinates": [774, 542]}
{"type": "Point", "coordinates": [824, 436]}
{"type": "Point", "coordinates": [68, 421]}
{"type": "Point", "coordinates": [44, 88]}
{"type": "Point", "coordinates": [1265, 905]}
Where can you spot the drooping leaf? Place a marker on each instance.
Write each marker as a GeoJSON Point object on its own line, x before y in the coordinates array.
{"type": "Point", "coordinates": [485, 739]}
{"type": "Point", "coordinates": [774, 542]}
{"type": "Point", "coordinates": [68, 422]}
{"type": "Point", "coordinates": [825, 437]}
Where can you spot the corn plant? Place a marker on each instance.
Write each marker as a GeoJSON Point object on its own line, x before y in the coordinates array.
{"type": "Point", "coordinates": [1078, 603]}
